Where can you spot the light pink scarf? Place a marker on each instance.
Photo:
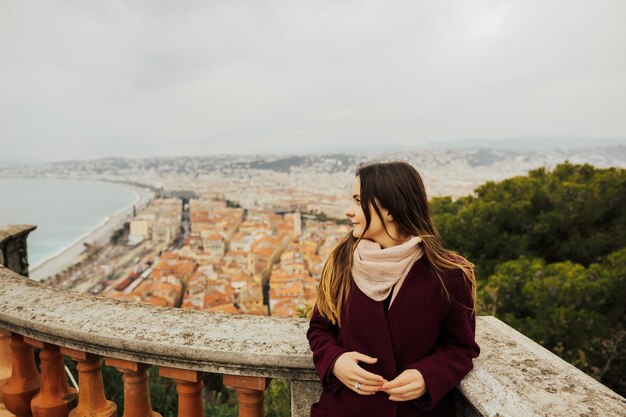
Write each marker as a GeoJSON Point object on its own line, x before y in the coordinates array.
{"type": "Point", "coordinates": [375, 270]}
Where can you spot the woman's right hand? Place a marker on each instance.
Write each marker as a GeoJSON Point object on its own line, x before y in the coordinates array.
{"type": "Point", "coordinates": [348, 371]}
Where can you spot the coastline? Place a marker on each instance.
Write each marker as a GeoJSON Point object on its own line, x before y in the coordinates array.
{"type": "Point", "coordinates": [99, 235]}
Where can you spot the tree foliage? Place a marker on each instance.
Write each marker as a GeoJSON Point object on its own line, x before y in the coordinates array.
{"type": "Point", "coordinates": [574, 311]}
{"type": "Point", "coordinates": [278, 398]}
{"type": "Point", "coordinates": [573, 213]}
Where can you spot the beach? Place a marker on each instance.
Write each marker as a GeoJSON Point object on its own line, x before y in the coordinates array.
{"type": "Point", "coordinates": [98, 236]}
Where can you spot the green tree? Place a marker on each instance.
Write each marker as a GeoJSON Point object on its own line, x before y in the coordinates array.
{"type": "Point", "coordinates": [574, 212]}
{"type": "Point", "coordinates": [278, 398]}
{"type": "Point", "coordinates": [576, 312]}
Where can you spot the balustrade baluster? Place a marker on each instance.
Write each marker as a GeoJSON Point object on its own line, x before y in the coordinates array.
{"type": "Point", "coordinates": [25, 380]}
{"type": "Point", "coordinates": [5, 367]}
{"type": "Point", "coordinates": [55, 398]}
{"type": "Point", "coordinates": [250, 393]}
{"type": "Point", "coordinates": [189, 388]}
{"type": "Point", "coordinates": [91, 399]}
{"type": "Point", "coordinates": [136, 392]}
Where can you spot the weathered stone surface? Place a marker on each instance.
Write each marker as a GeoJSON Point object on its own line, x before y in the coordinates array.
{"type": "Point", "coordinates": [14, 230]}
{"type": "Point", "coordinates": [231, 344]}
{"type": "Point", "coordinates": [514, 376]}
{"type": "Point", "coordinates": [13, 250]}
{"type": "Point", "coordinates": [303, 394]}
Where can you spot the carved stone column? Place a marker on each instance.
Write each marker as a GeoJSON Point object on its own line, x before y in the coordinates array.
{"type": "Point", "coordinates": [189, 388]}
{"type": "Point", "coordinates": [13, 249]}
{"type": "Point", "coordinates": [91, 400]}
{"type": "Point", "coordinates": [136, 392]}
{"type": "Point", "coordinates": [303, 394]}
{"type": "Point", "coordinates": [55, 398]}
{"type": "Point", "coordinates": [250, 393]}
{"type": "Point", "coordinates": [25, 380]}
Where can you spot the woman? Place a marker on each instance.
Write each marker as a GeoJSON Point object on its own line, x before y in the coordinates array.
{"type": "Point", "coordinates": [392, 331]}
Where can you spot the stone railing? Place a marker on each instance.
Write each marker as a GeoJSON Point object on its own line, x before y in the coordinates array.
{"type": "Point", "coordinates": [13, 248]}
{"type": "Point", "coordinates": [512, 377]}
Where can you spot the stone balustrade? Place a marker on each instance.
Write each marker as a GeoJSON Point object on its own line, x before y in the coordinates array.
{"type": "Point", "coordinates": [512, 377]}
{"type": "Point", "coordinates": [13, 247]}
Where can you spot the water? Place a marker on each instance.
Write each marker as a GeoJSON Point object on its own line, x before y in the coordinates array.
{"type": "Point", "coordinates": [63, 210]}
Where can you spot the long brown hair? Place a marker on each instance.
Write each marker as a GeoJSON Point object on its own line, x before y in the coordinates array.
{"type": "Point", "coordinates": [397, 187]}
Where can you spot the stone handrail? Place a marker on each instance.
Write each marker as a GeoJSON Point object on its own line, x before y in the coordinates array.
{"type": "Point", "coordinates": [173, 337]}
{"type": "Point", "coordinates": [513, 376]}
{"type": "Point", "coordinates": [13, 248]}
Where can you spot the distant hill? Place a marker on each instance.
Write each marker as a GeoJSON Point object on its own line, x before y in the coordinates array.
{"type": "Point", "coordinates": [453, 172]}
{"type": "Point", "coordinates": [528, 144]}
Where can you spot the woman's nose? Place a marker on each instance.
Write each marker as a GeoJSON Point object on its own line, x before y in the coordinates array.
{"type": "Point", "coordinates": [349, 212]}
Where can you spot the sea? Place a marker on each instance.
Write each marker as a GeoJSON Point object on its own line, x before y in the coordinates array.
{"type": "Point", "coordinates": [64, 211]}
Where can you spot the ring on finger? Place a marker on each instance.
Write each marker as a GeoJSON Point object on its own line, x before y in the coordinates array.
{"type": "Point", "coordinates": [357, 386]}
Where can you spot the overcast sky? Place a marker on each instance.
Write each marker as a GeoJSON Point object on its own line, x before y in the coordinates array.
{"type": "Point", "coordinates": [88, 79]}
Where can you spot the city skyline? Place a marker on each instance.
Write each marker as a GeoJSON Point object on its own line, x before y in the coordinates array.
{"type": "Point", "coordinates": [113, 79]}
{"type": "Point", "coordinates": [515, 144]}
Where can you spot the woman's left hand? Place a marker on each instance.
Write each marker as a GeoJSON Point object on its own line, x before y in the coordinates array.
{"type": "Point", "coordinates": [409, 385]}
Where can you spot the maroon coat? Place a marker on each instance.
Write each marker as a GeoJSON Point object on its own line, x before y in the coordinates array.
{"type": "Point", "coordinates": [421, 330]}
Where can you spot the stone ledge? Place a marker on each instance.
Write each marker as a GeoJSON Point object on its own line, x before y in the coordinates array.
{"type": "Point", "coordinates": [211, 342]}
{"type": "Point", "coordinates": [514, 376]}
{"type": "Point", "coordinates": [14, 231]}
{"type": "Point", "coordinates": [13, 251]}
